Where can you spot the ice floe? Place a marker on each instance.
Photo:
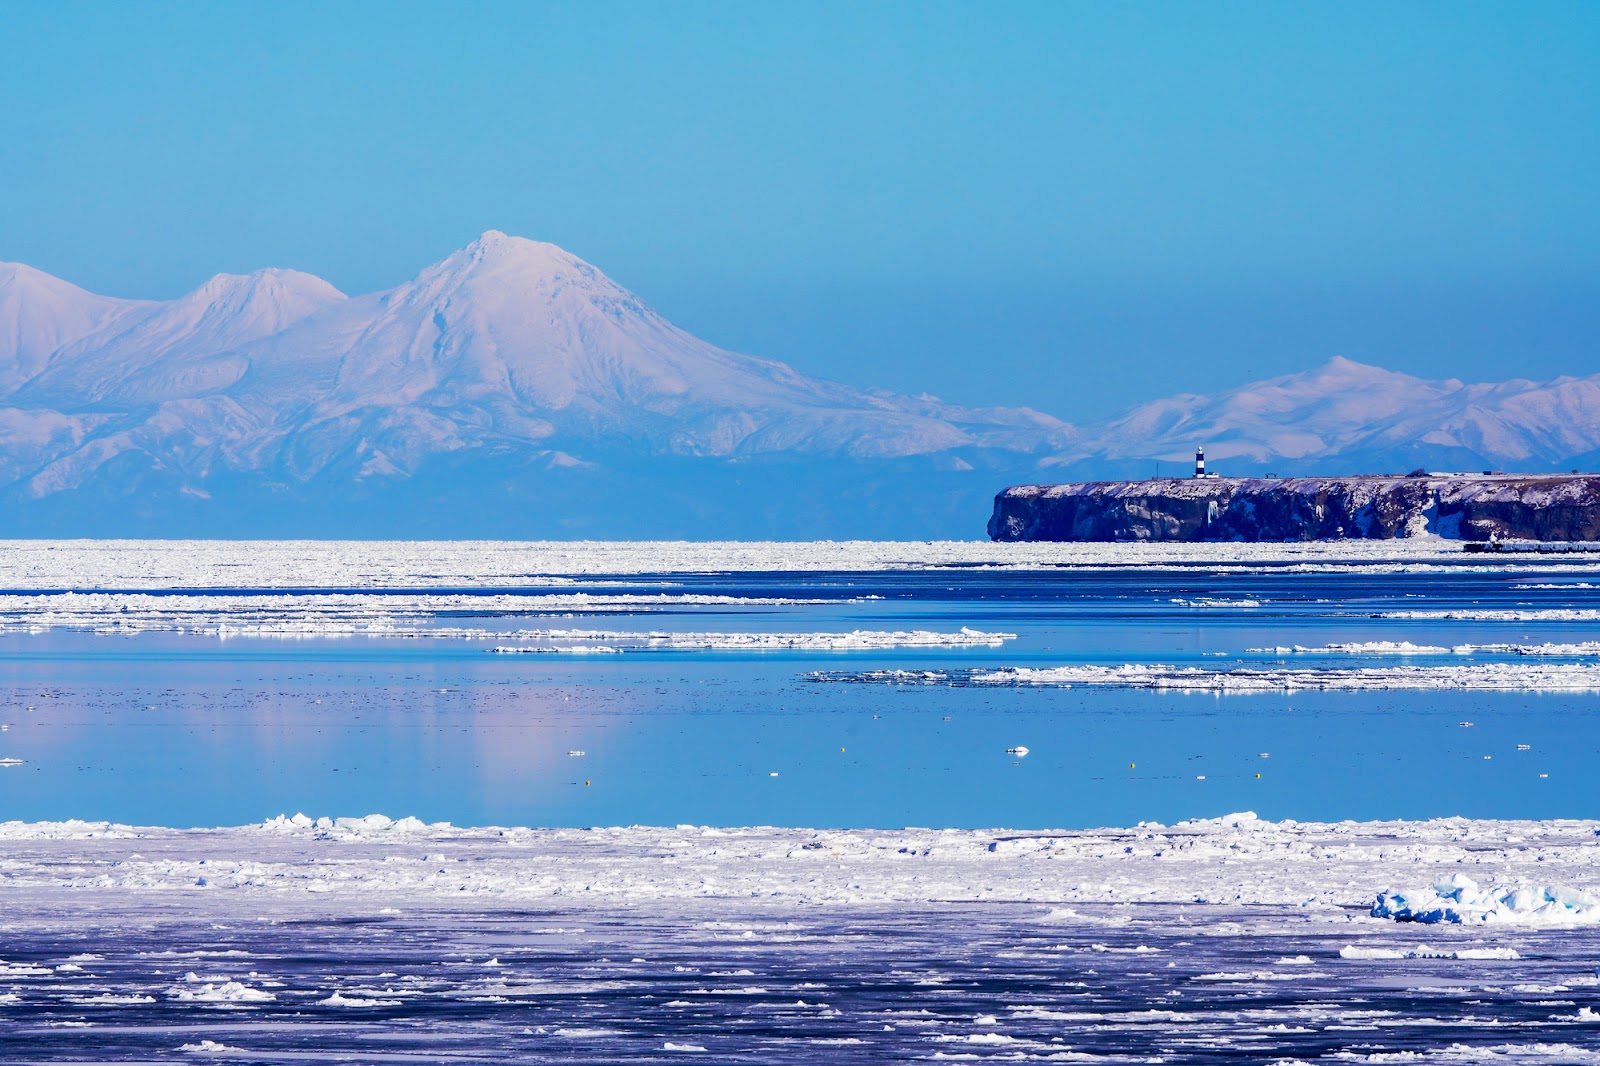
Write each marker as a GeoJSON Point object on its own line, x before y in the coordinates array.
{"type": "Point", "coordinates": [1582, 649]}
{"type": "Point", "coordinates": [222, 992]}
{"type": "Point", "coordinates": [329, 614]}
{"type": "Point", "coordinates": [856, 640]}
{"type": "Point", "coordinates": [1459, 899]}
{"type": "Point", "coordinates": [1501, 614]}
{"type": "Point", "coordinates": [419, 616]}
{"type": "Point", "coordinates": [85, 564]}
{"type": "Point", "coordinates": [1368, 647]}
{"type": "Point", "coordinates": [1422, 951]}
{"type": "Point", "coordinates": [1500, 677]}
{"type": "Point", "coordinates": [1236, 935]}
{"type": "Point", "coordinates": [1578, 650]}
{"type": "Point", "coordinates": [378, 862]}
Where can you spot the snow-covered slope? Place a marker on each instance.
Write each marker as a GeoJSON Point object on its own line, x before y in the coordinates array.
{"type": "Point", "coordinates": [1344, 411]}
{"type": "Point", "coordinates": [519, 341]}
{"type": "Point", "coordinates": [178, 349]}
{"type": "Point", "coordinates": [508, 356]}
{"type": "Point", "coordinates": [40, 314]}
{"type": "Point", "coordinates": [513, 389]}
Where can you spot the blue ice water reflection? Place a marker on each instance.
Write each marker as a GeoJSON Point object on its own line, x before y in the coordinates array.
{"type": "Point", "coordinates": [193, 730]}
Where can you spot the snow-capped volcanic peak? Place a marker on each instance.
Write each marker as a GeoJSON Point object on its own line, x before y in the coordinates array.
{"type": "Point", "coordinates": [506, 312]}
{"type": "Point", "coordinates": [508, 344]}
{"type": "Point", "coordinates": [513, 354]}
{"type": "Point", "coordinates": [516, 325]}
{"type": "Point", "coordinates": [509, 315]}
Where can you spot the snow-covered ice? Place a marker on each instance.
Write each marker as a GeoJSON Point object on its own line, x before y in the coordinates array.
{"type": "Point", "coordinates": [322, 937]}
{"type": "Point", "coordinates": [1365, 647]}
{"type": "Point", "coordinates": [1237, 858]}
{"type": "Point", "coordinates": [1458, 898]}
{"type": "Point", "coordinates": [1232, 938]}
{"type": "Point", "coordinates": [1493, 677]}
{"type": "Point", "coordinates": [1580, 649]}
{"type": "Point", "coordinates": [330, 614]}
{"type": "Point", "coordinates": [855, 640]}
{"type": "Point", "coordinates": [370, 565]}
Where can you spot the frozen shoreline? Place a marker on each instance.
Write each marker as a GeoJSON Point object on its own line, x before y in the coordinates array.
{"type": "Point", "coordinates": [1224, 940]}
{"type": "Point", "coordinates": [131, 565]}
{"type": "Point", "coordinates": [1331, 870]}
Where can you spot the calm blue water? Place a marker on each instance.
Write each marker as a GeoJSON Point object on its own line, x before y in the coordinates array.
{"type": "Point", "coordinates": [193, 730]}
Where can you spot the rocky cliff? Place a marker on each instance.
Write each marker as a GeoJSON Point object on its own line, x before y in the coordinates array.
{"type": "Point", "coordinates": [1468, 507]}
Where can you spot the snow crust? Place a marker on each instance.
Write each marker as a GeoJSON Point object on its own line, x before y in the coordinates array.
{"type": "Point", "coordinates": [1543, 872]}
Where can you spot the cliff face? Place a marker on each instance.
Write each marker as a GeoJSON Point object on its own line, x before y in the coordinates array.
{"type": "Point", "coordinates": [1537, 507]}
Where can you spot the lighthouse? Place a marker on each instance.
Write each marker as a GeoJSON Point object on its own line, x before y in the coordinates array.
{"type": "Point", "coordinates": [1200, 461]}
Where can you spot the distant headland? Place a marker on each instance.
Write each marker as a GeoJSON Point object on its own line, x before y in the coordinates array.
{"type": "Point", "coordinates": [1207, 507]}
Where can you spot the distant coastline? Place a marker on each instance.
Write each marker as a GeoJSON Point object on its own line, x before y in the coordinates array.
{"type": "Point", "coordinates": [1471, 507]}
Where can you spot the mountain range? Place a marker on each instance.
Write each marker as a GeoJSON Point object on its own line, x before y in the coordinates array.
{"type": "Point", "coordinates": [512, 389]}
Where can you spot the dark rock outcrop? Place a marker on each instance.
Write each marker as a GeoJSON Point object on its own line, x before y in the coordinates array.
{"type": "Point", "coordinates": [1468, 507]}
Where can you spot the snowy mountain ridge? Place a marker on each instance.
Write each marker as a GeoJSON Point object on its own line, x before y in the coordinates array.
{"type": "Point", "coordinates": [507, 337]}
{"type": "Point", "coordinates": [508, 361]}
{"type": "Point", "coordinates": [1343, 414]}
{"type": "Point", "coordinates": [512, 387]}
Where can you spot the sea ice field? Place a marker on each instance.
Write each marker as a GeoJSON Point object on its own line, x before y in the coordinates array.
{"type": "Point", "coordinates": [778, 803]}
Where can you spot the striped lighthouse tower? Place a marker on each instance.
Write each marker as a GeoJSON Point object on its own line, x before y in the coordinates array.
{"type": "Point", "coordinates": [1200, 461]}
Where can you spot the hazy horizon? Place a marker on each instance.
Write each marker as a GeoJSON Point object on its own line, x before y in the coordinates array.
{"type": "Point", "coordinates": [996, 207]}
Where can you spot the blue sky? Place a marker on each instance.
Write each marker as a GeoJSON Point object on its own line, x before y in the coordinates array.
{"type": "Point", "coordinates": [1073, 206]}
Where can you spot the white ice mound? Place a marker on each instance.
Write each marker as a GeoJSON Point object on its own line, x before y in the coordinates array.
{"type": "Point", "coordinates": [1237, 820]}
{"type": "Point", "coordinates": [364, 825]}
{"type": "Point", "coordinates": [1459, 899]}
{"type": "Point", "coordinates": [1422, 951]}
{"type": "Point", "coordinates": [222, 992]}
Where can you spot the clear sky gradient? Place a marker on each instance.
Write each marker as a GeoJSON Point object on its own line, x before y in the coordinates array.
{"type": "Point", "coordinates": [1073, 206]}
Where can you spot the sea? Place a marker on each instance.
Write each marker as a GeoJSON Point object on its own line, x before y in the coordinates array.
{"type": "Point", "coordinates": [338, 715]}
{"type": "Point", "coordinates": [677, 691]}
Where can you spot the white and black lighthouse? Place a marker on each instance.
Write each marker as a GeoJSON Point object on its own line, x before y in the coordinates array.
{"type": "Point", "coordinates": [1200, 461]}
